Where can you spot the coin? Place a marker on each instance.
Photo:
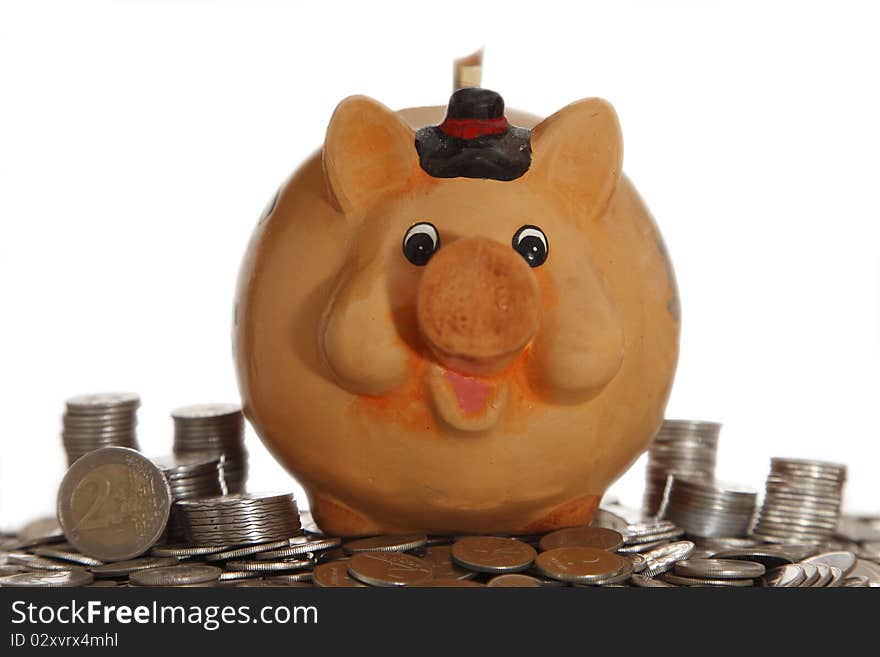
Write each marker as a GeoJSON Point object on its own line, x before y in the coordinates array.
{"type": "Point", "coordinates": [811, 575]}
{"type": "Point", "coordinates": [868, 569]}
{"type": "Point", "coordinates": [448, 583]}
{"type": "Point", "coordinates": [271, 566]}
{"type": "Point", "coordinates": [825, 575]}
{"type": "Point", "coordinates": [113, 504]}
{"type": "Point", "coordinates": [513, 580]}
{"type": "Point", "coordinates": [597, 537]}
{"type": "Point", "coordinates": [400, 543]}
{"type": "Point", "coordinates": [845, 561]}
{"type": "Point", "coordinates": [389, 568]}
{"type": "Point", "coordinates": [177, 575]}
{"type": "Point", "coordinates": [302, 576]}
{"type": "Point", "coordinates": [493, 554]}
{"type": "Point", "coordinates": [580, 564]}
{"type": "Point", "coordinates": [246, 551]}
{"type": "Point", "coordinates": [119, 568]}
{"type": "Point", "coordinates": [62, 552]}
{"type": "Point", "coordinates": [52, 579]}
{"type": "Point", "coordinates": [38, 562]}
{"type": "Point", "coordinates": [334, 574]}
{"type": "Point", "coordinates": [638, 561]}
{"type": "Point", "coordinates": [769, 556]}
{"type": "Point", "coordinates": [663, 558]}
{"type": "Point", "coordinates": [785, 576]}
{"type": "Point", "coordinates": [644, 581]}
{"type": "Point", "coordinates": [680, 580]}
{"type": "Point", "coordinates": [310, 546]}
{"type": "Point", "coordinates": [440, 558]}
{"type": "Point", "coordinates": [719, 568]}
{"type": "Point", "coordinates": [184, 551]}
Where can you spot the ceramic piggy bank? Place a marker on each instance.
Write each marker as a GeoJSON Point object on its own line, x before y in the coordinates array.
{"type": "Point", "coordinates": [457, 320]}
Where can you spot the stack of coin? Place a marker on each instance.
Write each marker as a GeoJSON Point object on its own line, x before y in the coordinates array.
{"type": "Point", "coordinates": [190, 476]}
{"type": "Point", "coordinates": [802, 501]}
{"type": "Point", "coordinates": [239, 518]}
{"type": "Point", "coordinates": [218, 428]}
{"type": "Point", "coordinates": [682, 447]}
{"type": "Point", "coordinates": [708, 509]}
{"type": "Point", "coordinates": [99, 420]}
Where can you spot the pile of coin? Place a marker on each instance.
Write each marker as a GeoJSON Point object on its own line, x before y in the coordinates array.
{"type": "Point", "coordinates": [802, 501]}
{"type": "Point", "coordinates": [189, 476]}
{"type": "Point", "coordinates": [99, 420]}
{"type": "Point", "coordinates": [643, 554]}
{"type": "Point", "coordinates": [239, 518]}
{"type": "Point", "coordinates": [683, 447]}
{"type": "Point", "coordinates": [709, 508]}
{"type": "Point", "coordinates": [215, 428]}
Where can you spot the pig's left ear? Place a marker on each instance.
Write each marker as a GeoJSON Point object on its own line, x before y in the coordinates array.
{"type": "Point", "coordinates": [578, 151]}
{"type": "Point", "coordinates": [368, 151]}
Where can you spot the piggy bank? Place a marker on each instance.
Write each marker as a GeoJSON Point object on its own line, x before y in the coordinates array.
{"type": "Point", "coordinates": [457, 319]}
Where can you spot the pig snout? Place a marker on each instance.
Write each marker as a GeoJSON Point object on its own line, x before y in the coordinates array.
{"type": "Point", "coordinates": [478, 305]}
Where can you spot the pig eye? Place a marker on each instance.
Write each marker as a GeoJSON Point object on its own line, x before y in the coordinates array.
{"type": "Point", "coordinates": [420, 243]}
{"type": "Point", "coordinates": [531, 243]}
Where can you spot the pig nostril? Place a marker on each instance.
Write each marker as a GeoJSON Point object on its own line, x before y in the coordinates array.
{"type": "Point", "coordinates": [477, 302]}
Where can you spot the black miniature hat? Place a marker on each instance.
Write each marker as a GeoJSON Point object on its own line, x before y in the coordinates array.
{"type": "Point", "coordinates": [475, 140]}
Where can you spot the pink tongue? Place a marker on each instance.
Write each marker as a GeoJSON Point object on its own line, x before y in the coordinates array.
{"type": "Point", "coordinates": [472, 394]}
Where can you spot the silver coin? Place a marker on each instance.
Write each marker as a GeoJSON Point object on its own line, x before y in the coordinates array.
{"type": "Point", "coordinates": [399, 543]}
{"type": "Point", "coordinates": [638, 561]}
{"type": "Point", "coordinates": [177, 575]}
{"type": "Point", "coordinates": [845, 561]}
{"type": "Point", "coordinates": [644, 581]}
{"type": "Point", "coordinates": [637, 548]}
{"type": "Point", "coordinates": [66, 555]}
{"type": "Point", "coordinates": [859, 581]}
{"type": "Point", "coordinates": [246, 551]}
{"type": "Point", "coordinates": [186, 551]}
{"type": "Point", "coordinates": [282, 578]}
{"type": "Point", "coordinates": [769, 556]}
{"type": "Point", "coordinates": [389, 568]}
{"type": "Point", "coordinates": [663, 558]}
{"type": "Point", "coordinates": [811, 575]}
{"type": "Point", "coordinates": [301, 545]}
{"type": "Point", "coordinates": [120, 568]}
{"type": "Point", "coordinates": [869, 569]}
{"type": "Point", "coordinates": [825, 575]}
{"type": "Point", "coordinates": [37, 562]}
{"type": "Point", "coordinates": [719, 568]}
{"type": "Point", "coordinates": [233, 575]}
{"type": "Point", "coordinates": [785, 576]}
{"type": "Point", "coordinates": [610, 520]}
{"type": "Point", "coordinates": [57, 578]}
{"type": "Point", "coordinates": [101, 401]}
{"type": "Point", "coordinates": [285, 565]}
{"type": "Point", "coordinates": [680, 580]}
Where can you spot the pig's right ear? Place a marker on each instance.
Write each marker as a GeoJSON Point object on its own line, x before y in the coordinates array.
{"type": "Point", "coordinates": [369, 151]}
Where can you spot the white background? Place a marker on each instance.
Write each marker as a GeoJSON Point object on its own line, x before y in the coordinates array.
{"type": "Point", "coordinates": [140, 140]}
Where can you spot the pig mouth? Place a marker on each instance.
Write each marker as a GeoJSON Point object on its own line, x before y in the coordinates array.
{"type": "Point", "coordinates": [467, 403]}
